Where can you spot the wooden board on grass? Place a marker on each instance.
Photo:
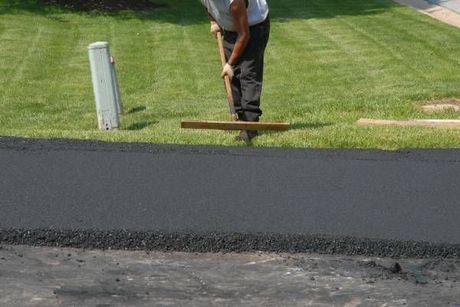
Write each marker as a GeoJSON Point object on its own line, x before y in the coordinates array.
{"type": "Point", "coordinates": [233, 125]}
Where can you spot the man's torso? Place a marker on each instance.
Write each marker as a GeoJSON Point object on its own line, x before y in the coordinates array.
{"type": "Point", "coordinates": [220, 11]}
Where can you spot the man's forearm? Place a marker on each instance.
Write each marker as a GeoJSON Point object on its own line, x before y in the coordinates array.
{"type": "Point", "coordinates": [240, 17]}
{"type": "Point", "coordinates": [239, 48]}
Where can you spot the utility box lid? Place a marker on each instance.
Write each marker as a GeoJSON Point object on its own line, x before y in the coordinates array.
{"type": "Point", "coordinates": [98, 45]}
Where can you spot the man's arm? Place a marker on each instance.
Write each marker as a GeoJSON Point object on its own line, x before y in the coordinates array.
{"type": "Point", "coordinates": [240, 20]}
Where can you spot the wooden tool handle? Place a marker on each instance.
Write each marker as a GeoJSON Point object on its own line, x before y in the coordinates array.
{"type": "Point", "coordinates": [228, 86]}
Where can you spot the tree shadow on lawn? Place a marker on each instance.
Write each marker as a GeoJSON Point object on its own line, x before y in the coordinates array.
{"type": "Point", "coordinates": [94, 6]}
{"type": "Point", "coordinates": [187, 12]}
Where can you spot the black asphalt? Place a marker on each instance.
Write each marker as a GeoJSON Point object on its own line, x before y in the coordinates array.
{"type": "Point", "coordinates": [229, 198]}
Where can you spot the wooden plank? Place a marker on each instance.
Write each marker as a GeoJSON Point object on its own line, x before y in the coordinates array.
{"type": "Point", "coordinates": [436, 123]}
{"type": "Point", "coordinates": [233, 125]}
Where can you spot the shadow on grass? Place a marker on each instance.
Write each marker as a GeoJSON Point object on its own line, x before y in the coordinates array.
{"type": "Point", "coordinates": [136, 109]}
{"type": "Point", "coordinates": [298, 126]}
{"type": "Point", "coordinates": [141, 125]}
{"type": "Point", "coordinates": [187, 12]}
{"type": "Point", "coordinates": [92, 6]}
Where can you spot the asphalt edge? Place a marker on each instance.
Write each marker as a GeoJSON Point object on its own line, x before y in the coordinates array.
{"type": "Point", "coordinates": [226, 242]}
{"type": "Point", "coordinates": [37, 145]}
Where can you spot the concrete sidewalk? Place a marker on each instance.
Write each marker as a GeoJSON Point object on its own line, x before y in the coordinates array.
{"type": "Point", "coordinates": [447, 11]}
{"type": "Point", "coordinates": [453, 5]}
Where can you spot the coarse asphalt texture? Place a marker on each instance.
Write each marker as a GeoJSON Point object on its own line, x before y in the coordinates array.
{"type": "Point", "coordinates": [195, 198]}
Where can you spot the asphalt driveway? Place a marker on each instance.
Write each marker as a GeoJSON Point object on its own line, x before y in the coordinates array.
{"type": "Point", "coordinates": [141, 196]}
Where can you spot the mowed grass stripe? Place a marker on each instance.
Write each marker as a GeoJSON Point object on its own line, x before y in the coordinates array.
{"type": "Point", "coordinates": [381, 63]}
{"type": "Point", "coordinates": [426, 39]}
{"type": "Point", "coordinates": [405, 59]}
{"type": "Point", "coordinates": [57, 88]}
{"type": "Point", "coordinates": [16, 40]}
{"type": "Point", "coordinates": [429, 64]}
{"type": "Point", "coordinates": [381, 47]}
{"type": "Point", "coordinates": [424, 52]}
{"type": "Point", "coordinates": [337, 62]}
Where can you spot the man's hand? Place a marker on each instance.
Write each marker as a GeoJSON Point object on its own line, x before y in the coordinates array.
{"type": "Point", "coordinates": [214, 28]}
{"type": "Point", "coordinates": [227, 71]}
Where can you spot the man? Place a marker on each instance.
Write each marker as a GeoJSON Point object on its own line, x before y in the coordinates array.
{"type": "Point", "coordinates": [246, 28]}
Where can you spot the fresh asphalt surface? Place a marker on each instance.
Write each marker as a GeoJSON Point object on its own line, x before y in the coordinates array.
{"type": "Point", "coordinates": [95, 194]}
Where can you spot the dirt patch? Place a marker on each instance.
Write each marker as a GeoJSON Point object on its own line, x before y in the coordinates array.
{"type": "Point", "coordinates": [104, 5]}
{"type": "Point", "coordinates": [53, 276]}
{"type": "Point", "coordinates": [454, 101]}
{"type": "Point", "coordinates": [451, 104]}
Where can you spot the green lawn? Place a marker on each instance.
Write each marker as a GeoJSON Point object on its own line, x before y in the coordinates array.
{"type": "Point", "coordinates": [329, 63]}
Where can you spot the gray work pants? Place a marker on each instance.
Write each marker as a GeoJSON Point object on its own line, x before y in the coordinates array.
{"type": "Point", "coordinates": [247, 82]}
